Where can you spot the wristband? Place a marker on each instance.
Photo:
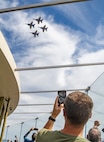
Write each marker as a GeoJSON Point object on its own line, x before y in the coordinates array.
{"type": "Point", "coordinates": [53, 119]}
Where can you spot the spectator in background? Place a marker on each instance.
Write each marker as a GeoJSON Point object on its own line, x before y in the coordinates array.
{"type": "Point", "coordinates": [9, 141]}
{"type": "Point", "coordinates": [33, 135]}
{"type": "Point", "coordinates": [94, 135]}
{"type": "Point", "coordinates": [16, 139]}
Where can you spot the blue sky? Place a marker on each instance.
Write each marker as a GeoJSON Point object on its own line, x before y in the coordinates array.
{"type": "Point", "coordinates": [74, 35]}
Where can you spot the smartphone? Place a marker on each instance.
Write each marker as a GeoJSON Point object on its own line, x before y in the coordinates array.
{"type": "Point", "coordinates": [62, 96]}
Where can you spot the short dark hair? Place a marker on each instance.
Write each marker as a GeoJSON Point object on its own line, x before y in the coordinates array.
{"type": "Point", "coordinates": [78, 108]}
{"type": "Point", "coordinates": [94, 135]}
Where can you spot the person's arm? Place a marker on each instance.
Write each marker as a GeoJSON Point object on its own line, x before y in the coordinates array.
{"type": "Point", "coordinates": [27, 133]}
{"type": "Point", "coordinates": [56, 110]}
{"type": "Point", "coordinates": [30, 131]}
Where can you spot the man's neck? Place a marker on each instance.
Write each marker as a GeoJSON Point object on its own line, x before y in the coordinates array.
{"type": "Point", "coordinates": [73, 130]}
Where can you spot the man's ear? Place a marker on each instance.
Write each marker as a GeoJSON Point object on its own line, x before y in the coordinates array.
{"type": "Point", "coordinates": [64, 112]}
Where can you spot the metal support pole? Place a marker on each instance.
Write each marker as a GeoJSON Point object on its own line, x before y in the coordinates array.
{"type": "Point", "coordinates": [21, 131]}
{"type": "Point", "coordinates": [52, 91]}
{"type": "Point", "coordinates": [39, 5]}
{"type": "Point", "coordinates": [36, 119]}
{"type": "Point", "coordinates": [59, 66]}
{"type": "Point", "coordinates": [87, 89]}
{"type": "Point", "coordinates": [7, 132]}
{"type": "Point", "coordinates": [5, 117]}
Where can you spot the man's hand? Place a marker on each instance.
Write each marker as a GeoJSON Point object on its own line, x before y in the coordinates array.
{"type": "Point", "coordinates": [96, 123]}
{"type": "Point", "coordinates": [57, 108]}
{"type": "Point", "coordinates": [32, 129]}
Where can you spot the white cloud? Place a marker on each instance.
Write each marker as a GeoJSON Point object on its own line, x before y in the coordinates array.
{"type": "Point", "coordinates": [78, 14]}
{"type": "Point", "coordinates": [7, 4]}
{"type": "Point", "coordinates": [99, 37]}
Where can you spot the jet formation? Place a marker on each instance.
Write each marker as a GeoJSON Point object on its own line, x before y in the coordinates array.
{"type": "Point", "coordinates": [32, 25]}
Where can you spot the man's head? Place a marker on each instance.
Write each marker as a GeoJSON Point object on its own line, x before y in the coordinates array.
{"type": "Point", "coordinates": [33, 136]}
{"type": "Point", "coordinates": [78, 108]}
{"type": "Point", "coordinates": [96, 123]}
{"type": "Point", "coordinates": [94, 135]}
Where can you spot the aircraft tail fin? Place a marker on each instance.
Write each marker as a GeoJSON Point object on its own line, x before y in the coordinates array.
{"type": "Point", "coordinates": [33, 25]}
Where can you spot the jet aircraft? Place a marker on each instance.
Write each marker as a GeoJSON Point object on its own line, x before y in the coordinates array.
{"type": "Point", "coordinates": [36, 33]}
{"type": "Point", "coordinates": [31, 25]}
{"type": "Point", "coordinates": [44, 28]}
{"type": "Point", "coordinates": [39, 20]}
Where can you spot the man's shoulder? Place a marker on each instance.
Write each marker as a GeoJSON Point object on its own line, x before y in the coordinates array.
{"type": "Point", "coordinates": [44, 131]}
{"type": "Point", "coordinates": [81, 139]}
{"type": "Point", "coordinates": [59, 135]}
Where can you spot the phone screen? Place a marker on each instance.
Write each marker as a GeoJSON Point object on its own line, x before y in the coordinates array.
{"type": "Point", "coordinates": [62, 96]}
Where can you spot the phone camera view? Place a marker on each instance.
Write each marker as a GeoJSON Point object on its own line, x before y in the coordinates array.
{"type": "Point", "coordinates": [62, 96]}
